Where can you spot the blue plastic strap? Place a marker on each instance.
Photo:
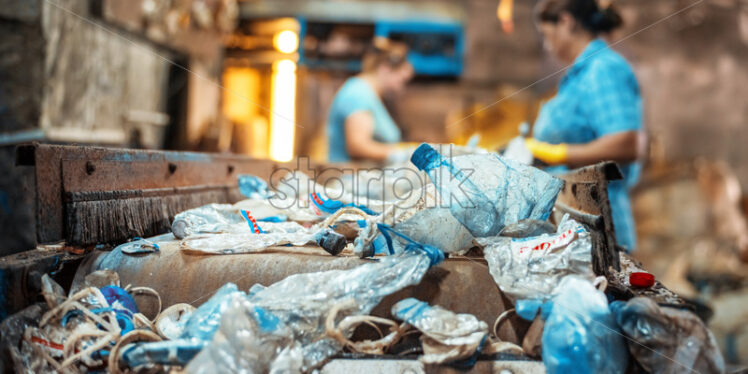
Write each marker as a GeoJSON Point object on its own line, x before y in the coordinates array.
{"type": "Point", "coordinates": [253, 226]}
{"type": "Point", "coordinates": [331, 206]}
{"type": "Point", "coordinates": [275, 219]}
{"type": "Point", "coordinates": [154, 245]}
{"type": "Point", "coordinates": [434, 254]}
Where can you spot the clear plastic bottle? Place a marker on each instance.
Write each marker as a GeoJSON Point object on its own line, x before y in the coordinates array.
{"type": "Point", "coordinates": [485, 192]}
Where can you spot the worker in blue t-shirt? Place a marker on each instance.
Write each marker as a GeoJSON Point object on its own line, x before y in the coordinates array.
{"type": "Point", "coordinates": [359, 126]}
{"type": "Point", "coordinates": [597, 113]}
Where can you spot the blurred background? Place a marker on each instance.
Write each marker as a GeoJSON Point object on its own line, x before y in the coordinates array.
{"type": "Point", "coordinates": [257, 78]}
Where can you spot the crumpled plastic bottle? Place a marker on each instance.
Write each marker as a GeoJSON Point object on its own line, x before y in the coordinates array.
{"type": "Point", "coordinates": [301, 303]}
{"type": "Point", "coordinates": [486, 192]}
{"type": "Point", "coordinates": [420, 217]}
{"type": "Point", "coordinates": [447, 336]}
{"type": "Point", "coordinates": [437, 227]}
{"type": "Point", "coordinates": [530, 268]}
{"type": "Point", "coordinates": [669, 340]}
{"type": "Point", "coordinates": [581, 334]}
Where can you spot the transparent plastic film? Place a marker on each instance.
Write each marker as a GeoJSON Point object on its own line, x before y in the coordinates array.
{"type": "Point", "coordinates": [529, 268]}
{"type": "Point", "coordinates": [293, 313]}
{"type": "Point", "coordinates": [242, 240]}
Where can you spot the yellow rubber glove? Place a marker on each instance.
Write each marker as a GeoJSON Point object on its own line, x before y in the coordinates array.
{"type": "Point", "coordinates": [551, 154]}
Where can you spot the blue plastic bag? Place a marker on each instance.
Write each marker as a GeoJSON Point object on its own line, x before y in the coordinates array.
{"type": "Point", "coordinates": [581, 334]}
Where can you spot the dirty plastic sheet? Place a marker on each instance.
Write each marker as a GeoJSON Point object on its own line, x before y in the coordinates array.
{"type": "Point", "coordinates": [241, 240]}
{"type": "Point", "coordinates": [670, 340]}
{"type": "Point", "coordinates": [222, 218]}
{"type": "Point", "coordinates": [226, 218]}
{"type": "Point", "coordinates": [530, 268]}
{"type": "Point", "coordinates": [447, 336]}
{"type": "Point", "coordinates": [581, 334]}
{"type": "Point", "coordinates": [294, 310]}
{"type": "Point", "coordinates": [487, 192]}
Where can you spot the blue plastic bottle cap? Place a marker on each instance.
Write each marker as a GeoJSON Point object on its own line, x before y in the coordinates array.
{"type": "Point", "coordinates": [425, 157]}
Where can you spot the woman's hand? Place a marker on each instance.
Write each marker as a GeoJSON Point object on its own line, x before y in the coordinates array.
{"type": "Point", "coordinates": [621, 147]}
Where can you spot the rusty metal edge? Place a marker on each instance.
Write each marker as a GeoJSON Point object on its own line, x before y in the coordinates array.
{"type": "Point", "coordinates": [50, 193]}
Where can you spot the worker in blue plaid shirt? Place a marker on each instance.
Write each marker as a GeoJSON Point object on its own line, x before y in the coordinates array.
{"type": "Point", "coordinates": [597, 112]}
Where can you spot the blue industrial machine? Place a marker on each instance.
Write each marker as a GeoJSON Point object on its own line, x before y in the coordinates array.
{"type": "Point", "coordinates": [436, 48]}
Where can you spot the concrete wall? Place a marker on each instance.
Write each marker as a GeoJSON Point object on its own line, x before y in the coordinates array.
{"type": "Point", "coordinates": [72, 77]}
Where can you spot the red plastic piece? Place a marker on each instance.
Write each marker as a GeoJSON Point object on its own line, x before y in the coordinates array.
{"type": "Point", "coordinates": [641, 279]}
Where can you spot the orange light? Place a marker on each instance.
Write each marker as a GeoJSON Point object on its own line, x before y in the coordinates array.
{"type": "Point", "coordinates": [504, 13]}
{"type": "Point", "coordinates": [283, 110]}
{"type": "Point", "coordinates": [286, 41]}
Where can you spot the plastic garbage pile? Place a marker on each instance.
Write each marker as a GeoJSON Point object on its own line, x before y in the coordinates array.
{"type": "Point", "coordinates": [82, 331]}
{"type": "Point", "coordinates": [468, 196]}
{"type": "Point", "coordinates": [483, 193]}
{"type": "Point", "coordinates": [297, 324]}
{"type": "Point", "coordinates": [281, 327]}
{"type": "Point", "coordinates": [298, 307]}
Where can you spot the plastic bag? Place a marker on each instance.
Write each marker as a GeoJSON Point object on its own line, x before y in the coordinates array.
{"type": "Point", "coordinates": [196, 332]}
{"type": "Point", "coordinates": [204, 320]}
{"type": "Point", "coordinates": [581, 334]}
{"type": "Point", "coordinates": [529, 268]}
{"type": "Point", "coordinates": [669, 340]}
{"type": "Point", "coordinates": [486, 192]}
{"type": "Point", "coordinates": [211, 218]}
{"type": "Point", "coordinates": [241, 240]}
{"type": "Point", "coordinates": [248, 341]}
{"type": "Point", "coordinates": [446, 336]}
{"type": "Point", "coordinates": [223, 218]}
{"type": "Point", "coordinates": [301, 303]}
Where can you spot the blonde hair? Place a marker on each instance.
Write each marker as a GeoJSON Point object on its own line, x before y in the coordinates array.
{"type": "Point", "coordinates": [384, 52]}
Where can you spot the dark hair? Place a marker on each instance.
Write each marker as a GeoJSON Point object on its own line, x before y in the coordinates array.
{"type": "Point", "coordinates": [384, 52]}
{"type": "Point", "coordinates": [593, 17]}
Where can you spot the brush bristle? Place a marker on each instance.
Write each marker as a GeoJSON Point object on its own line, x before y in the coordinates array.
{"type": "Point", "coordinates": [116, 220]}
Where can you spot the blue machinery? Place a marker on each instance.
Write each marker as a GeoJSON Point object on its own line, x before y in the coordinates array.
{"type": "Point", "coordinates": [436, 48]}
